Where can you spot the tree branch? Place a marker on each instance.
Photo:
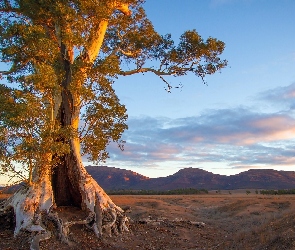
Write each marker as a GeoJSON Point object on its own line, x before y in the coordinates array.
{"type": "Point", "coordinates": [129, 53]}
{"type": "Point", "coordinates": [144, 70]}
{"type": "Point", "coordinates": [159, 73]}
{"type": "Point", "coordinates": [97, 38]}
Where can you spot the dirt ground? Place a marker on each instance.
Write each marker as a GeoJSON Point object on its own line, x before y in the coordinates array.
{"type": "Point", "coordinates": [232, 220]}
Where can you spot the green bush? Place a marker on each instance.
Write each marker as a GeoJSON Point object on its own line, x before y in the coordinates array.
{"type": "Point", "coordinates": [278, 192]}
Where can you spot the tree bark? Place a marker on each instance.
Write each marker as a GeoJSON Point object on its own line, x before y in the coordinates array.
{"type": "Point", "coordinates": [65, 180]}
{"type": "Point", "coordinates": [68, 184]}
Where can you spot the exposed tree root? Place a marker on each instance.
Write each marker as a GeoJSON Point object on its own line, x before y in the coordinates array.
{"type": "Point", "coordinates": [35, 242]}
{"type": "Point", "coordinates": [34, 217]}
{"type": "Point", "coordinates": [34, 208]}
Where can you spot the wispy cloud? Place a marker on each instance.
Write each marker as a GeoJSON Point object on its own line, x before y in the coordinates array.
{"type": "Point", "coordinates": [240, 137]}
{"type": "Point", "coordinates": [284, 96]}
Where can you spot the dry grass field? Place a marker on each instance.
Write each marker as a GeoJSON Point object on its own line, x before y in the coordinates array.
{"type": "Point", "coordinates": [232, 221]}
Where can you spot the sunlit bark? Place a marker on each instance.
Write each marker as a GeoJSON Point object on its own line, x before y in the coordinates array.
{"type": "Point", "coordinates": [67, 176]}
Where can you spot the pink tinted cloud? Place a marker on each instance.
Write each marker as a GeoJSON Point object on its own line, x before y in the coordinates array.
{"type": "Point", "coordinates": [266, 129]}
{"type": "Point", "coordinates": [290, 94]}
{"type": "Point", "coordinates": [273, 123]}
{"type": "Point", "coordinates": [274, 128]}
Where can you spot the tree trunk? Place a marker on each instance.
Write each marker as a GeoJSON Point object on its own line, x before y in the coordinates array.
{"type": "Point", "coordinates": [65, 178]}
{"type": "Point", "coordinates": [65, 183]}
{"type": "Point", "coordinates": [68, 184]}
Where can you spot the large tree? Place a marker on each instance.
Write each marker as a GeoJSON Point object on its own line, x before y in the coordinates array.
{"type": "Point", "coordinates": [58, 103]}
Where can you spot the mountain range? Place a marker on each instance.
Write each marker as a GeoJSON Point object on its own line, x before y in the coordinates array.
{"type": "Point", "coordinates": [110, 178]}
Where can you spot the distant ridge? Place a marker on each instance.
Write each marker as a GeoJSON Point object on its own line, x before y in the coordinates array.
{"type": "Point", "coordinates": [111, 178]}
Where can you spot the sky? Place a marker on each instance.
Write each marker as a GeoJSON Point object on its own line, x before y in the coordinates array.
{"type": "Point", "coordinates": [242, 119]}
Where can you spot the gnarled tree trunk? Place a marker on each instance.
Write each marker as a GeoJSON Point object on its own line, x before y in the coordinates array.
{"type": "Point", "coordinates": [65, 178]}
{"type": "Point", "coordinates": [67, 184]}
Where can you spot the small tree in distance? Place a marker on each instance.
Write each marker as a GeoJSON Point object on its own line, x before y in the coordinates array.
{"type": "Point", "coordinates": [58, 103]}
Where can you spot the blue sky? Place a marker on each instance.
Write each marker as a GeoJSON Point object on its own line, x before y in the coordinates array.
{"type": "Point", "coordinates": [243, 119]}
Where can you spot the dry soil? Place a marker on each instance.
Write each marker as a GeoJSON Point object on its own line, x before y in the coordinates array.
{"type": "Point", "coordinates": [232, 220]}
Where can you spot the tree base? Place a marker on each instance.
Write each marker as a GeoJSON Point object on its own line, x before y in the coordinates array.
{"type": "Point", "coordinates": [28, 212]}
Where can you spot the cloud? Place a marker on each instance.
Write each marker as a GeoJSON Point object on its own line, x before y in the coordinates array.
{"type": "Point", "coordinates": [230, 126]}
{"type": "Point", "coordinates": [239, 137]}
{"type": "Point", "coordinates": [284, 96]}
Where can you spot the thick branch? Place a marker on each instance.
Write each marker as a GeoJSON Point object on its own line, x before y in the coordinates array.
{"type": "Point", "coordinates": [97, 38]}
{"type": "Point", "coordinates": [95, 43]}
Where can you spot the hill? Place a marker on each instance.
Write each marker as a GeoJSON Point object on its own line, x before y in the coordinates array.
{"type": "Point", "coordinates": [111, 178]}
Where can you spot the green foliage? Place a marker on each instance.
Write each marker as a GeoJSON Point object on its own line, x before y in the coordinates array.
{"type": "Point", "coordinates": [25, 136]}
{"type": "Point", "coordinates": [278, 192]}
{"type": "Point", "coordinates": [104, 120]}
{"type": "Point", "coordinates": [46, 46]}
{"type": "Point", "coordinates": [134, 40]}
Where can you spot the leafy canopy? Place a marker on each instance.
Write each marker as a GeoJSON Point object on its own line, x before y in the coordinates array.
{"type": "Point", "coordinates": [38, 36]}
